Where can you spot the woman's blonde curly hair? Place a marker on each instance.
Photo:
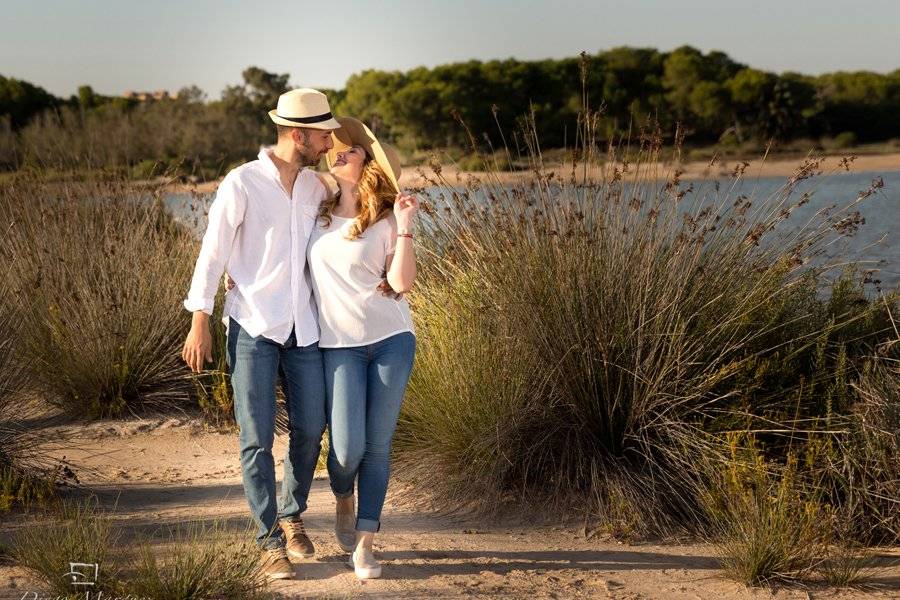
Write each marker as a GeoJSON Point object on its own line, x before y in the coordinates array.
{"type": "Point", "coordinates": [376, 200]}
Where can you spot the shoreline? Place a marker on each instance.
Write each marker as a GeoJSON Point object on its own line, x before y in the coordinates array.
{"type": "Point", "coordinates": [691, 170]}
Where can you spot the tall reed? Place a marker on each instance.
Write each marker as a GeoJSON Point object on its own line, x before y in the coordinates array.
{"type": "Point", "coordinates": [98, 273]}
{"type": "Point", "coordinates": [27, 474]}
{"type": "Point", "coordinates": [589, 333]}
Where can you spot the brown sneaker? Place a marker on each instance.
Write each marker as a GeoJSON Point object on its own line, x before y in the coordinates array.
{"type": "Point", "coordinates": [298, 543]}
{"type": "Point", "coordinates": [274, 564]}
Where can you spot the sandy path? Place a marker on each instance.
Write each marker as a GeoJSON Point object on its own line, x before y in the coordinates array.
{"type": "Point", "coordinates": [166, 471]}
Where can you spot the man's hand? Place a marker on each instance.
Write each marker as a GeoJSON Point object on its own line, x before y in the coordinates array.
{"type": "Point", "coordinates": [386, 290]}
{"type": "Point", "coordinates": [229, 282]}
{"type": "Point", "coordinates": [198, 345]}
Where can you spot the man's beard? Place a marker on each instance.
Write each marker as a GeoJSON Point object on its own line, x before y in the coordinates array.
{"type": "Point", "coordinates": [307, 158]}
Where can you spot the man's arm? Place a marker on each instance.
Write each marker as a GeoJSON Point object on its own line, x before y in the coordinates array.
{"type": "Point", "coordinates": [225, 216]}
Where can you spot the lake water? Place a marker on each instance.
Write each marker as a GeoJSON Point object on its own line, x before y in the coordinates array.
{"type": "Point", "coordinates": [881, 212]}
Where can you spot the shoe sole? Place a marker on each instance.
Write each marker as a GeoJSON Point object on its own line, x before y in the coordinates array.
{"type": "Point", "coordinates": [293, 554]}
{"type": "Point", "coordinates": [279, 576]}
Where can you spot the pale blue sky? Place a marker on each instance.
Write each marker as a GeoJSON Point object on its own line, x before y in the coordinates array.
{"type": "Point", "coordinates": [126, 44]}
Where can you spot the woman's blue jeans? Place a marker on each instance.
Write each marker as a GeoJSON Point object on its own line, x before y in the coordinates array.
{"type": "Point", "coordinates": [255, 364]}
{"type": "Point", "coordinates": [364, 389]}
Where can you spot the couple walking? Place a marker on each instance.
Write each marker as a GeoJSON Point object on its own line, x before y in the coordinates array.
{"type": "Point", "coordinates": [315, 284]}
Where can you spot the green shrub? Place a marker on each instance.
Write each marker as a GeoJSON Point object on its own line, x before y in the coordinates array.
{"type": "Point", "coordinates": [766, 527]}
{"type": "Point", "coordinates": [843, 140]}
{"type": "Point", "coordinates": [587, 338]}
{"type": "Point", "coordinates": [100, 271]}
{"type": "Point", "coordinates": [200, 561]}
{"type": "Point", "coordinates": [26, 476]}
{"type": "Point", "coordinates": [197, 561]}
{"type": "Point", "coordinates": [773, 521]}
{"type": "Point", "coordinates": [81, 533]}
{"type": "Point", "coordinates": [23, 488]}
{"type": "Point", "coordinates": [147, 169]}
{"type": "Point", "coordinates": [471, 162]}
{"type": "Point", "coordinates": [844, 564]}
{"type": "Point", "coordinates": [862, 465]}
{"type": "Point", "coordinates": [213, 386]}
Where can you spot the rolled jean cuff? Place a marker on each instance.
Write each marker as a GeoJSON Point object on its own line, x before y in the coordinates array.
{"type": "Point", "coordinates": [368, 525]}
{"type": "Point", "coordinates": [342, 495]}
{"type": "Point", "coordinates": [271, 542]}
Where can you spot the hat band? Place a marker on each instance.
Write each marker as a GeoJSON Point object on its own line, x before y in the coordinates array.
{"type": "Point", "coordinates": [315, 119]}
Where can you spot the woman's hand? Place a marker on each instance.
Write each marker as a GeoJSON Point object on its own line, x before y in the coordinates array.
{"type": "Point", "coordinates": [229, 282]}
{"type": "Point", "coordinates": [387, 291]}
{"type": "Point", "coordinates": [405, 207]}
{"type": "Point", "coordinates": [401, 265]}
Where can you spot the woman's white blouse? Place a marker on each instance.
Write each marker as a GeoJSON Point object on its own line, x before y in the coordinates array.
{"type": "Point", "coordinates": [346, 275]}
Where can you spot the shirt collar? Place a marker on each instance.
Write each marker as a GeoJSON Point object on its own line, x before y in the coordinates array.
{"type": "Point", "coordinates": [269, 166]}
{"type": "Point", "coordinates": [266, 161]}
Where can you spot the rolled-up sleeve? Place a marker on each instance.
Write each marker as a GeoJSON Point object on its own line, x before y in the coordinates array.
{"type": "Point", "coordinates": [225, 216]}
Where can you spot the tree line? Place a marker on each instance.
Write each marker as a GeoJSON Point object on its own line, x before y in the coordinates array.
{"type": "Point", "coordinates": [714, 98]}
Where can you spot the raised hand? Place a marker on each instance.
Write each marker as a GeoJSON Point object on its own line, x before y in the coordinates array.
{"type": "Point", "coordinates": [405, 207]}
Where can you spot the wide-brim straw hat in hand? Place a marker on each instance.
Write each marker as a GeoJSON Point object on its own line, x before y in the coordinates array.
{"type": "Point", "coordinates": [304, 107]}
{"type": "Point", "coordinates": [353, 131]}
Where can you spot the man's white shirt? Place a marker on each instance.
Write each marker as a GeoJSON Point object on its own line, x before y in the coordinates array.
{"type": "Point", "coordinates": [258, 235]}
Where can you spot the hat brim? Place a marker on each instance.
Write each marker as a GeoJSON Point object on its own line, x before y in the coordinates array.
{"type": "Point", "coordinates": [353, 131]}
{"type": "Point", "coordinates": [330, 125]}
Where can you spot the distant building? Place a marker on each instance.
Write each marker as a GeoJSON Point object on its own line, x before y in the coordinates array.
{"type": "Point", "coordinates": [149, 96]}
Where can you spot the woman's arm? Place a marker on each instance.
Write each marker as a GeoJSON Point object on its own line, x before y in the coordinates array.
{"type": "Point", "coordinates": [401, 265]}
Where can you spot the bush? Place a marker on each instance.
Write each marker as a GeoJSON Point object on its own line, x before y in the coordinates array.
{"type": "Point", "coordinates": [844, 140]}
{"type": "Point", "coordinates": [862, 466]}
{"type": "Point", "coordinates": [199, 562]}
{"type": "Point", "coordinates": [100, 271]}
{"type": "Point", "coordinates": [767, 529]}
{"type": "Point", "coordinates": [9, 156]}
{"type": "Point", "coordinates": [147, 169]}
{"type": "Point", "coordinates": [587, 340]}
{"type": "Point", "coordinates": [26, 476]}
{"type": "Point", "coordinates": [81, 533]}
{"type": "Point", "coordinates": [213, 387]}
{"type": "Point", "coordinates": [773, 521]}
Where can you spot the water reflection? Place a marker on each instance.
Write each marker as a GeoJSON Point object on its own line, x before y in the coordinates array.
{"type": "Point", "coordinates": [874, 243]}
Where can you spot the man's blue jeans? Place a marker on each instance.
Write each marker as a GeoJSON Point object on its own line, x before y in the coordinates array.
{"type": "Point", "coordinates": [364, 387]}
{"type": "Point", "coordinates": [255, 364]}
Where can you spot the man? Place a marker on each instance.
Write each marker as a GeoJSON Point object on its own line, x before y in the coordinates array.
{"type": "Point", "coordinates": [259, 226]}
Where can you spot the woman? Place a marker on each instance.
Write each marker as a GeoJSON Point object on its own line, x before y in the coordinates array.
{"type": "Point", "coordinates": [362, 233]}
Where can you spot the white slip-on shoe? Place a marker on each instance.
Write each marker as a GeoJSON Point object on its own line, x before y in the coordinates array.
{"type": "Point", "coordinates": [365, 566]}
